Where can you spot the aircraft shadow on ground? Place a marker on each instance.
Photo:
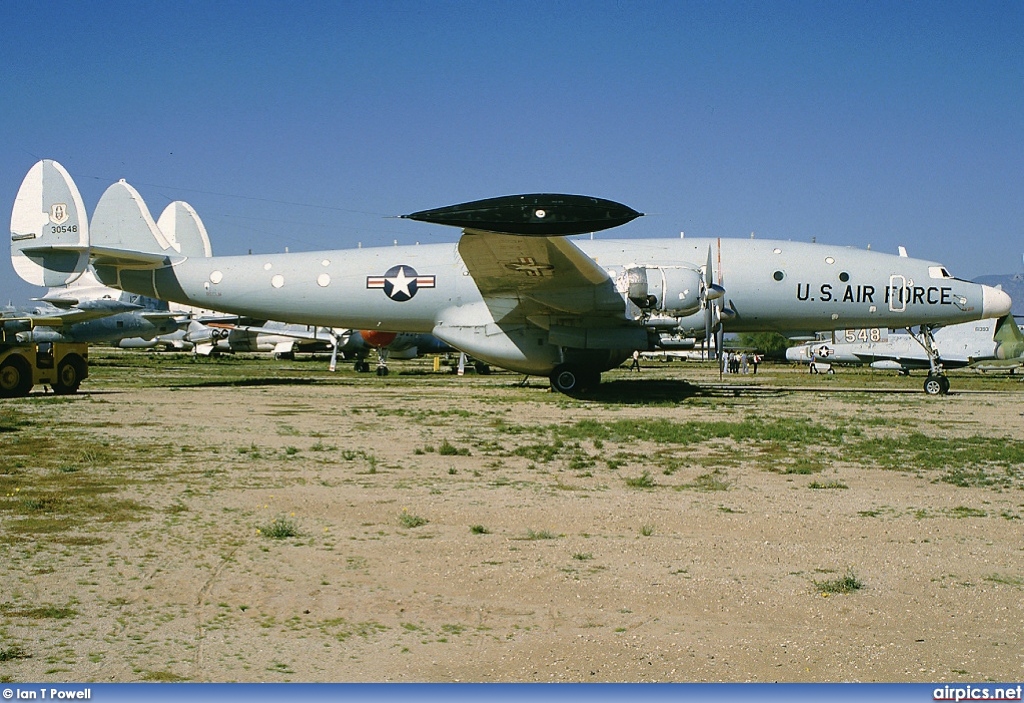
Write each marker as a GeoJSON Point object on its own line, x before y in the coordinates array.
{"type": "Point", "coordinates": [246, 382]}
{"type": "Point", "coordinates": [643, 391]}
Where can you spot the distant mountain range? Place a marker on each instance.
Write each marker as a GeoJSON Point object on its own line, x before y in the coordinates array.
{"type": "Point", "coordinates": [1012, 283]}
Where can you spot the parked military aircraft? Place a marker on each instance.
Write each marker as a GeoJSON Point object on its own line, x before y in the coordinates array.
{"type": "Point", "coordinates": [285, 340]}
{"type": "Point", "coordinates": [89, 321]}
{"type": "Point", "coordinates": [514, 292]}
{"type": "Point", "coordinates": [357, 345]}
{"type": "Point", "coordinates": [986, 344]}
{"type": "Point", "coordinates": [351, 345]}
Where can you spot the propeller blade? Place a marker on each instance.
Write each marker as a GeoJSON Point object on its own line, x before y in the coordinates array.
{"type": "Point", "coordinates": [708, 282]}
{"type": "Point", "coordinates": [709, 278]}
{"type": "Point", "coordinates": [707, 325]}
{"type": "Point", "coordinates": [719, 339]}
{"type": "Point", "coordinates": [714, 292]}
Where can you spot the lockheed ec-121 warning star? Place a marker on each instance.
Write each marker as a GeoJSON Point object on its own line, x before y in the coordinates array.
{"type": "Point", "coordinates": [514, 292]}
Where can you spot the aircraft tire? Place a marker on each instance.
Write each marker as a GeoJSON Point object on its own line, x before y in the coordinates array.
{"type": "Point", "coordinates": [573, 380]}
{"type": "Point", "coordinates": [382, 370]}
{"type": "Point", "coordinates": [69, 376]}
{"type": "Point", "coordinates": [15, 378]}
{"type": "Point", "coordinates": [482, 369]}
{"type": "Point", "coordinates": [936, 385]}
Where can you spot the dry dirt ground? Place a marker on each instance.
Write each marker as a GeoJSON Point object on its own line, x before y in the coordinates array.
{"type": "Point", "coordinates": [468, 529]}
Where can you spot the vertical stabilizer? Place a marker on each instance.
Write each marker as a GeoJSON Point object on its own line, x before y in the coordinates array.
{"type": "Point", "coordinates": [122, 223]}
{"type": "Point", "coordinates": [184, 230]}
{"type": "Point", "coordinates": [1009, 339]}
{"type": "Point", "coordinates": [49, 227]}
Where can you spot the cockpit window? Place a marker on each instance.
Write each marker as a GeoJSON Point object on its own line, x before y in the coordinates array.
{"type": "Point", "coordinates": [938, 272]}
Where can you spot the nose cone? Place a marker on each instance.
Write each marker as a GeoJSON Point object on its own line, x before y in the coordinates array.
{"type": "Point", "coordinates": [995, 302]}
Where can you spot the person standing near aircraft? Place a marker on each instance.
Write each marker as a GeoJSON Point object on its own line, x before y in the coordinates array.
{"type": "Point", "coordinates": [636, 361]}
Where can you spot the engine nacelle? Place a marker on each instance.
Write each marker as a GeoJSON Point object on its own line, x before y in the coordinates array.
{"type": "Point", "coordinates": [198, 333]}
{"type": "Point", "coordinates": [674, 290]}
{"type": "Point", "coordinates": [661, 322]}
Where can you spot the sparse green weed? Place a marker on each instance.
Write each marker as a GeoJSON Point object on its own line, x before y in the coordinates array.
{"type": "Point", "coordinates": [844, 584]}
{"type": "Point", "coordinates": [279, 528]}
{"type": "Point", "coordinates": [410, 521]}
{"type": "Point", "coordinates": [644, 480]}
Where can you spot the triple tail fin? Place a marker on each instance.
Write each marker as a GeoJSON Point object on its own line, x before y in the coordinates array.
{"type": "Point", "coordinates": [52, 240]}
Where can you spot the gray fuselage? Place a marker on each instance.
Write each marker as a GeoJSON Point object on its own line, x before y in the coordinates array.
{"type": "Point", "coordinates": [770, 285]}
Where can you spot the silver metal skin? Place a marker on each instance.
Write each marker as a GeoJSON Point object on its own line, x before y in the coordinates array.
{"type": "Point", "coordinates": [532, 304]}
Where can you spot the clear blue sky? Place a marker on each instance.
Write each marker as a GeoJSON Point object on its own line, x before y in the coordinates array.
{"type": "Point", "coordinates": [303, 124]}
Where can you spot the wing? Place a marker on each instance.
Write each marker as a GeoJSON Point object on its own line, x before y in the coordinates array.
{"type": "Point", "coordinates": [515, 249]}
{"type": "Point", "coordinates": [533, 278]}
{"type": "Point", "coordinates": [312, 334]}
{"type": "Point", "coordinates": [84, 311]}
{"type": "Point", "coordinates": [160, 315]}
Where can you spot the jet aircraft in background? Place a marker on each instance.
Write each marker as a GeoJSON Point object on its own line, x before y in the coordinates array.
{"type": "Point", "coordinates": [90, 321]}
{"type": "Point", "coordinates": [514, 292]}
{"type": "Point", "coordinates": [984, 344]}
{"type": "Point", "coordinates": [286, 339]}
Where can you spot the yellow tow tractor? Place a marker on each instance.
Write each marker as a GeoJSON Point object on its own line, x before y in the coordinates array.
{"type": "Point", "coordinates": [60, 365]}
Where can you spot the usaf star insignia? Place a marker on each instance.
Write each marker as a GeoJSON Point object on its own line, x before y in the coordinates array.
{"type": "Point", "coordinates": [400, 283]}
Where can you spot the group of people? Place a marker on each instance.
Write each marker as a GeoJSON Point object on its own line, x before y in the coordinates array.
{"type": "Point", "coordinates": [734, 362]}
{"type": "Point", "coordinates": [740, 362]}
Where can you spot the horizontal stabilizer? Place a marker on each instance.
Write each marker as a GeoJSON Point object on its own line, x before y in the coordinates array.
{"type": "Point", "coordinates": [49, 227]}
{"type": "Point", "coordinates": [538, 215]}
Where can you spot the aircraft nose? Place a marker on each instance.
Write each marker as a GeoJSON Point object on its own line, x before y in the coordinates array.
{"type": "Point", "coordinates": [995, 303]}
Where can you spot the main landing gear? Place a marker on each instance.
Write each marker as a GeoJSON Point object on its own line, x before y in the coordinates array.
{"type": "Point", "coordinates": [574, 380]}
{"type": "Point", "coordinates": [363, 366]}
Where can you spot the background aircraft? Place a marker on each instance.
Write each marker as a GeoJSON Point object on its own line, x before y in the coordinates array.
{"type": "Point", "coordinates": [986, 344]}
{"type": "Point", "coordinates": [514, 292]}
{"type": "Point", "coordinates": [285, 340]}
{"type": "Point", "coordinates": [90, 321]}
